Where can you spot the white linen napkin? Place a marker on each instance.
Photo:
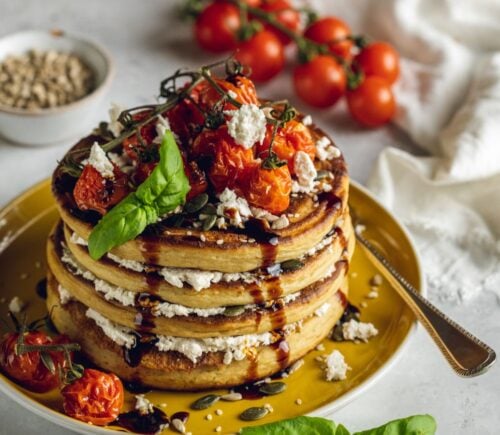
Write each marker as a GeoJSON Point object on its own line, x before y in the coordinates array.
{"type": "Point", "coordinates": [449, 104]}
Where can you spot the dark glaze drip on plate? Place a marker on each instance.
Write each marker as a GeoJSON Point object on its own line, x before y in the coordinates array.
{"type": "Point", "coordinates": [181, 415]}
{"type": "Point", "coordinates": [41, 288]}
{"type": "Point", "coordinates": [136, 387]}
{"type": "Point", "coordinates": [136, 422]}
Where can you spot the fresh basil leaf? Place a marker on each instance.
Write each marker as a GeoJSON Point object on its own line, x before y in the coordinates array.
{"type": "Point", "coordinates": [297, 426]}
{"type": "Point", "coordinates": [414, 425]}
{"type": "Point", "coordinates": [164, 190]}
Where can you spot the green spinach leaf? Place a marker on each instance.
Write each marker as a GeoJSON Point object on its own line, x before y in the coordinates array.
{"type": "Point", "coordinates": [298, 426]}
{"type": "Point", "coordinates": [414, 425]}
{"type": "Point", "coordinates": [164, 190]}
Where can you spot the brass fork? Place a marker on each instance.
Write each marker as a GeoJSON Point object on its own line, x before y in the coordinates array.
{"type": "Point", "coordinates": [466, 354]}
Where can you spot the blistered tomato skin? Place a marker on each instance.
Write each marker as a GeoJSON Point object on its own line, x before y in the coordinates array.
{"type": "Point", "coordinates": [197, 179]}
{"type": "Point", "coordinates": [270, 189]}
{"type": "Point", "coordinates": [96, 397]}
{"type": "Point", "coordinates": [28, 369]}
{"type": "Point", "coordinates": [231, 165]}
{"type": "Point", "coordinates": [93, 192]}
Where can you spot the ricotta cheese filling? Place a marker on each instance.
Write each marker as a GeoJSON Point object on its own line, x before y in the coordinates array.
{"type": "Point", "coordinates": [161, 309]}
{"type": "Point", "coordinates": [234, 347]}
{"type": "Point", "coordinates": [202, 279]}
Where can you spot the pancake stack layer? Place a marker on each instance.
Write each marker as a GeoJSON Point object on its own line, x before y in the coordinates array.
{"type": "Point", "coordinates": [186, 309]}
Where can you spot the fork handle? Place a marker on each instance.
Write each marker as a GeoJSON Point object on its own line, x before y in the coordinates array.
{"type": "Point", "coordinates": [466, 354]}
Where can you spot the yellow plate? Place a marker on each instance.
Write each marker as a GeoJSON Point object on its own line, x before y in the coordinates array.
{"type": "Point", "coordinates": [25, 223]}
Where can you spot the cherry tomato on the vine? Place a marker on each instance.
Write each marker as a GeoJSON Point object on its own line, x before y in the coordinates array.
{"type": "Point", "coordinates": [379, 59]}
{"type": "Point", "coordinates": [216, 27]}
{"type": "Point", "coordinates": [320, 82]}
{"type": "Point", "coordinates": [28, 368]}
{"type": "Point", "coordinates": [285, 14]}
{"type": "Point", "coordinates": [270, 189]}
{"type": "Point", "coordinates": [96, 397]}
{"type": "Point", "coordinates": [333, 32]}
{"type": "Point", "coordinates": [264, 54]}
{"type": "Point", "coordinates": [372, 103]}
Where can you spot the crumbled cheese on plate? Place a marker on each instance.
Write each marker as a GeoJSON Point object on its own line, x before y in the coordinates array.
{"type": "Point", "coordinates": [355, 330]}
{"type": "Point", "coordinates": [16, 305]}
{"type": "Point", "coordinates": [335, 367]}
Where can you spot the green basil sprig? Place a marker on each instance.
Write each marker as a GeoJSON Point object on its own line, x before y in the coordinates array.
{"type": "Point", "coordinates": [164, 190]}
{"type": "Point", "coordinates": [414, 425]}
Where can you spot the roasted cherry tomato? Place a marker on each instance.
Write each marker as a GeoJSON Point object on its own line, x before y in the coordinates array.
{"type": "Point", "coordinates": [284, 14]}
{"type": "Point", "coordinates": [232, 163]}
{"type": "Point", "coordinates": [333, 32]}
{"type": "Point", "coordinates": [185, 120]}
{"type": "Point", "coordinates": [143, 171]}
{"type": "Point", "coordinates": [379, 59]}
{"type": "Point", "coordinates": [28, 369]}
{"type": "Point", "coordinates": [131, 145]}
{"type": "Point", "coordinates": [270, 189]}
{"type": "Point", "coordinates": [241, 87]}
{"type": "Point", "coordinates": [320, 82]}
{"type": "Point", "coordinates": [372, 103]}
{"type": "Point", "coordinates": [197, 179]}
{"type": "Point", "coordinates": [216, 27]}
{"type": "Point", "coordinates": [94, 192]}
{"type": "Point", "coordinates": [96, 397]}
{"type": "Point", "coordinates": [264, 54]}
{"type": "Point", "coordinates": [292, 137]}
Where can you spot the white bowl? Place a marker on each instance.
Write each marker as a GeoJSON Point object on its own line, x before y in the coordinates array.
{"type": "Point", "coordinates": [47, 126]}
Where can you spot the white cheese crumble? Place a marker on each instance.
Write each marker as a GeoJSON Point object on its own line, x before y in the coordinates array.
{"type": "Point", "coordinates": [247, 125]}
{"type": "Point", "coordinates": [121, 335]}
{"type": "Point", "coordinates": [322, 310]}
{"type": "Point", "coordinates": [276, 222]}
{"type": "Point", "coordinates": [162, 125]}
{"type": "Point", "coordinates": [233, 207]}
{"type": "Point", "coordinates": [143, 405]}
{"type": "Point", "coordinates": [335, 367]}
{"type": "Point", "coordinates": [305, 171]}
{"type": "Point", "coordinates": [99, 161]}
{"type": "Point", "coordinates": [127, 264]}
{"type": "Point", "coordinates": [77, 240]}
{"type": "Point", "coordinates": [355, 330]}
{"type": "Point", "coordinates": [114, 126]}
{"type": "Point", "coordinates": [281, 223]}
{"type": "Point", "coordinates": [307, 120]}
{"type": "Point", "coordinates": [16, 305]}
{"type": "Point", "coordinates": [64, 295]}
{"type": "Point", "coordinates": [232, 94]}
{"type": "Point", "coordinates": [325, 150]}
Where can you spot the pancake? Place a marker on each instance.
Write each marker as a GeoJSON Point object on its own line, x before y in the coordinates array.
{"type": "Point", "coordinates": [173, 370]}
{"type": "Point", "coordinates": [229, 250]}
{"type": "Point", "coordinates": [225, 292]}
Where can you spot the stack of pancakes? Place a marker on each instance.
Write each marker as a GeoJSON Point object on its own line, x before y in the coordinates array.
{"type": "Point", "coordinates": [186, 309]}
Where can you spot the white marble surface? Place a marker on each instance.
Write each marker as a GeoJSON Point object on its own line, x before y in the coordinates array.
{"type": "Point", "coordinates": [148, 43]}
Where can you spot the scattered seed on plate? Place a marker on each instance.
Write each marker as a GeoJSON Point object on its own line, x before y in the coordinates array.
{"type": "Point", "coordinates": [376, 280]}
{"type": "Point", "coordinates": [231, 397]}
{"type": "Point", "coordinates": [295, 366]}
{"type": "Point", "coordinates": [218, 429]}
{"type": "Point", "coordinates": [179, 425]}
{"type": "Point", "coordinates": [372, 295]}
{"type": "Point", "coordinates": [269, 407]}
{"type": "Point", "coordinates": [205, 402]}
{"type": "Point", "coordinates": [208, 417]}
{"type": "Point", "coordinates": [298, 401]}
{"type": "Point", "coordinates": [254, 413]}
{"type": "Point", "coordinates": [219, 412]}
{"type": "Point", "coordinates": [364, 304]}
{"type": "Point", "coordinates": [272, 388]}
{"type": "Point", "coordinates": [320, 347]}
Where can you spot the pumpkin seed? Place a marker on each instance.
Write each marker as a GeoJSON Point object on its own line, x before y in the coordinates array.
{"type": "Point", "coordinates": [177, 221]}
{"type": "Point", "coordinates": [196, 204]}
{"type": "Point", "coordinates": [291, 265]}
{"type": "Point", "coordinates": [322, 174]}
{"type": "Point", "coordinates": [272, 388]}
{"type": "Point", "coordinates": [209, 209]}
{"type": "Point", "coordinates": [209, 222]}
{"type": "Point", "coordinates": [205, 402]}
{"type": "Point", "coordinates": [254, 413]}
{"type": "Point", "coordinates": [337, 333]}
{"type": "Point", "coordinates": [179, 425]}
{"type": "Point", "coordinates": [232, 397]}
{"type": "Point", "coordinates": [234, 311]}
